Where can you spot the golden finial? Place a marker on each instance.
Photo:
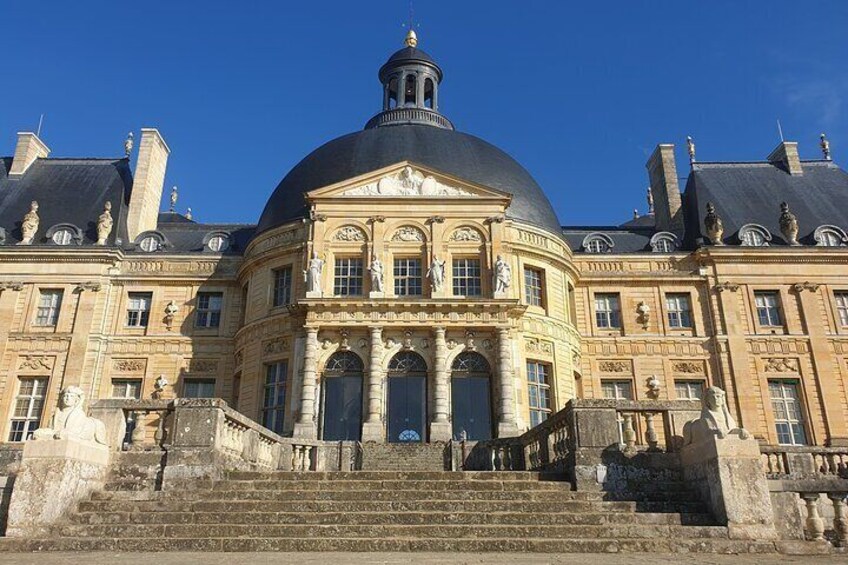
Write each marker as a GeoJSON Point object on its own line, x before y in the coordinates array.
{"type": "Point", "coordinates": [411, 39]}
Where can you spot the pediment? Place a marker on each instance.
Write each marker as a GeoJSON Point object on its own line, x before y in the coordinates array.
{"type": "Point", "coordinates": [407, 180]}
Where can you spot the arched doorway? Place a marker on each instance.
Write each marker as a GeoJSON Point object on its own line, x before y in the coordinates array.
{"type": "Point", "coordinates": [342, 397]}
{"type": "Point", "coordinates": [407, 394]}
{"type": "Point", "coordinates": [471, 397]}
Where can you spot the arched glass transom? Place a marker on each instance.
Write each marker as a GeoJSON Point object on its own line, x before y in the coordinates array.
{"type": "Point", "coordinates": [344, 362]}
{"type": "Point", "coordinates": [407, 362]}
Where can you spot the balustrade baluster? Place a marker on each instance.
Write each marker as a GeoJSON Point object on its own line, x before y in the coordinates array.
{"type": "Point", "coordinates": [138, 432]}
{"type": "Point", "coordinates": [840, 521]}
{"type": "Point", "coordinates": [650, 432]}
{"type": "Point", "coordinates": [815, 524]}
{"type": "Point", "coordinates": [628, 433]}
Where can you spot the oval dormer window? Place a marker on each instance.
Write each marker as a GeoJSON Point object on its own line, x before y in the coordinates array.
{"type": "Point", "coordinates": [597, 243]}
{"type": "Point", "coordinates": [664, 242]}
{"type": "Point", "coordinates": [218, 243]}
{"type": "Point", "coordinates": [150, 244]}
{"type": "Point", "coordinates": [830, 236]}
{"type": "Point", "coordinates": [752, 235]}
{"type": "Point", "coordinates": [63, 236]}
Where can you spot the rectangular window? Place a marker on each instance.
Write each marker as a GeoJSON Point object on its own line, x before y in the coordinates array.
{"type": "Point", "coordinates": [408, 278]}
{"type": "Point", "coordinates": [347, 279]}
{"type": "Point", "coordinates": [842, 307]}
{"type": "Point", "coordinates": [679, 310]}
{"type": "Point", "coordinates": [138, 309]}
{"type": "Point", "coordinates": [28, 406]}
{"type": "Point", "coordinates": [533, 287]}
{"type": "Point", "coordinates": [199, 388]}
{"type": "Point", "coordinates": [617, 390]}
{"type": "Point", "coordinates": [126, 388]}
{"type": "Point", "coordinates": [786, 406]}
{"type": "Point", "coordinates": [282, 286]}
{"type": "Point", "coordinates": [467, 277]}
{"type": "Point", "coordinates": [689, 390]}
{"type": "Point", "coordinates": [208, 314]}
{"type": "Point", "coordinates": [607, 311]}
{"type": "Point", "coordinates": [539, 391]}
{"type": "Point", "coordinates": [49, 303]}
{"type": "Point", "coordinates": [768, 308]}
{"type": "Point", "coordinates": [274, 406]}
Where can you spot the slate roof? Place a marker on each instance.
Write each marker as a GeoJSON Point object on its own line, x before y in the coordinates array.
{"type": "Point", "coordinates": [186, 236]}
{"type": "Point", "coordinates": [625, 239]}
{"type": "Point", "coordinates": [746, 193]}
{"type": "Point", "coordinates": [68, 191]}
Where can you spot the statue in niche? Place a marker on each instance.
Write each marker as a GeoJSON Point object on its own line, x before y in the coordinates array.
{"type": "Point", "coordinates": [71, 421]}
{"type": "Point", "coordinates": [104, 224]}
{"type": "Point", "coordinates": [715, 419]}
{"type": "Point", "coordinates": [503, 275]}
{"type": "Point", "coordinates": [29, 225]}
{"type": "Point", "coordinates": [436, 273]}
{"type": "Point", "coordinates": [312, 275]}
{"type": "Point", "coordinates": [376, 269]}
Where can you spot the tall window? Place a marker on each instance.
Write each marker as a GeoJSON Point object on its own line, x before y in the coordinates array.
{"type": "Point", "coordinates": [607, 311]}
{"type": "Point", "coordinates": [282, 286]}
{"type": "Point", "coordinates": [138, 309]}
{"type": "Point", "coordinates": [467, 277]}
{"type": "Point", "coordinates": [842, 307]}
{"type": "Point", "coordinates": [198, 388]}
{"type": "Point", "coordinates": [768, 308]}
{"type": "Point", "coordinates": [679, 310]}
{"type": "Point", "coordinates": [274, 406]}
{"type": "Point", "coordinates": [539, 391]}
{"type": "Point", "coordinates": [533, 287]}
{"type": "Point", "coordinates": [786, 407]}
{"type": "Point", "coordinates": [689, 390]}
{"type": "Point", "coordinates": [348, 277]}
{"type": "Point", "coordinates": [408, 280]}
{"type": "Point", "coordinates": [126, 388]}
{"type": "Point", "coordinates": [208, 313]}
{"type": "Point", "coordinates": [49, 303]}
{"type": "Point", "coordinates": [617, 390]}
{"type": "Point", "coordinates": [28, 406]}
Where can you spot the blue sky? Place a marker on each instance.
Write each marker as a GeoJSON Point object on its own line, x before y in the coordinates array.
{"type": "Point", "coordinates": [579, 93]}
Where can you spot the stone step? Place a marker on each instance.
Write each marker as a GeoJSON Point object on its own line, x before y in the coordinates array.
{"type": "Point", "coordinates": [170, 505]}
{"type": "Point", "coordinates": [479, 545]}
{"type": "Point", "coordinates": [388, 484]}
{"type": "Point", "coordinates": [386, 531]}
{"type": "Point", "coordinates": [398, 518]}
{"type": "Point", "coordinates": [394, 475]}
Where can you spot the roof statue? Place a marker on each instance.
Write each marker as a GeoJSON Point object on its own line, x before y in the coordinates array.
{"type": "Point", "coordinates": [825, 147]}
{"type": "Point", "coordinates": [690, 147]}
{"type": "Point", "coordinates": [174, 196]}
{"type": "Point", "coordinates": [650, 202]}
{"type": "Point", "coordinates": [788, 225]}
{"type": "Point", "coordinates": [411, 39]}
{"type": "Point", "coordinates": [29, 225]}
{"type": "Point", "coordinates": [128, 144]}
{"type": "Point", "coordinates": [714, 225]}
{"type": "Point", "coordinates": [104, 224]}
{"type": "Point", "coordinates": [188, 214]}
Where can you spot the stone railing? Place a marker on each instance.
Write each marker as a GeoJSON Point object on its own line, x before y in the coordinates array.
{"type": "Point", "coordinates": [787, 462]}
{"type": "Point", "coordinates": [135, 424]}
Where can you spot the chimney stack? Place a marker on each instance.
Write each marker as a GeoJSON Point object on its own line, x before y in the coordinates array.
{"type": "Point", "coordinates": [785, 155]}
{"type": "Point", "coordinates": [28, 149]}
{"type": "Point", "coordinates": [148, 182]}
{"type": "Point", "coordinates": [662, 173]}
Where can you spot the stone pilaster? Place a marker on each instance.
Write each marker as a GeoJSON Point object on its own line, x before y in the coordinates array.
{"type": "Point", "coordinates": [506, 402]}
{"type": "Point", "coordinates": [373, 428]}
{"type": "Point", "coordinates": [305, 425]}
{"type": "Point", "coordinates": [440, 427]}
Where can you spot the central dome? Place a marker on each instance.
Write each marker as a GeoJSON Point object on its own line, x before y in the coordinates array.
{"type": "Point", "coordinates": [410, 128]}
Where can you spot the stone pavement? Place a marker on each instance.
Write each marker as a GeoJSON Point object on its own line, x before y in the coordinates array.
{"type": "Point", "coordinates": [108, 558]}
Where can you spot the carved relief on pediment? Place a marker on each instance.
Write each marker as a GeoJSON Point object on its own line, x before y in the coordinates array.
{"type": "Point", "coordinates": [614, 366]}
{"type": "Point", "coordinates": [349, 233]}
{"type": "Point", "coordinates": [408, 233]}
{"type": "Point", "coordinates": [406, 182]}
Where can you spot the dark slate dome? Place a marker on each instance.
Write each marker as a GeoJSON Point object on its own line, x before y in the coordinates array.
{"type": "Point", "coordinates": [410, 128]}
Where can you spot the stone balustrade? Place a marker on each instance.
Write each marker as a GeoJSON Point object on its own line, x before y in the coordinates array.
{"type": "Point", "coordinates": [784, 462]}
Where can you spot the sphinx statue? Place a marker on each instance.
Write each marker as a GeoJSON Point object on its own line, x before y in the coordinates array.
{"type": "Point", "coordinates": [71, 421]}
{"type": "Point", "coordinates": [715, 419]}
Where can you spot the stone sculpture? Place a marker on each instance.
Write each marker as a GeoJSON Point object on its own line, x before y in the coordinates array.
{"type": "Point", "coordinates": [436, 273]}
{"type": "Point", "coordinates": [376, 275]}
{"type": "Point", "coordinates": [715, 419]}
{"type": "Point", "coordinates": [128, 144]}
{"type": "Point", "coordinates": [713, 225]}
{"type": "Point", "coordinates": [312, 275]}
{"type": "Point", "coordinates": [29, 225]}
{"type": "Point", "coordinates": [159, 387]}
{"type": "Point", "coordinates": [104, 224]}
{"type": "Point", "coordinates": [503, 275]}
{"type": "Point", "coordinates": [407, 182]}
{"type": "Point", "coordinates": [71, 421]}
{"type": "Point", "coordinates": [788, 225]}
{"type": "Point", "coordinates": [171, 311]}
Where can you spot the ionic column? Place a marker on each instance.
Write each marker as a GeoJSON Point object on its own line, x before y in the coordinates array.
{"type": "Point", "coordinates": [372, 428]}
{"type": "Point", "coordinates": [440, 427]}
{"type": "Point", "coordinates": [506, 407]}
{"type": "Point", "coordinates": [305, 425]}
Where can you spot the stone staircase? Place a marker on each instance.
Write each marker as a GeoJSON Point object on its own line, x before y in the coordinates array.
{"type": "Point", "coordinates": [387, 511]}
{"type": "Point", "coordinates": [405, 457]}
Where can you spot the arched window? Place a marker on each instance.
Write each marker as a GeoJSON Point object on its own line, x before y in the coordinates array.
{"type": "Point", "coordinates": [753, 235]}
{"type": "Point", "coordinates": [830, 236]}
{"type": "Point", "coordinates": [342, 397]}
{"type": "Point", "coordinates": [410, 91]}
{"type": "Point", "coordinates": [664, 242]}
{"type": "Point", "coordinates": [393, 93]}
{"type": "Point", "coordinates": [407, 395]}
{"type": "Point", "coordinates": [429, 94]}
{"type": "Point", "coordinates": [597, 243]}
{"type": "Point", "coordinates": [471, 401]}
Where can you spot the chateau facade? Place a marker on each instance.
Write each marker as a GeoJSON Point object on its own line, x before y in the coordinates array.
{"type": "Point", "coordinates": [410, 283]}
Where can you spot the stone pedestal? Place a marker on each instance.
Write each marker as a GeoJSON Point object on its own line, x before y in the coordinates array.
{"type": "Point", "coordinates": [376, 294]}
{"type": "Point", "coordinates": [729, 475]}
{"type": "Point", "coordinates": [314, 294]}
{"type": "Point", "coordinates": [55, 475]}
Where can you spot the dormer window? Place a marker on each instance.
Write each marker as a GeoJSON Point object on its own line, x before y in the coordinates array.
{"type": "Point", "coordinates": [63, 236]}
{"type": "Point", "coordinates": [597, 243]}
{"type": "Point", "coordinates": [753, 235]}
{"type": "Point", "coordinates": [218, 242]}
{"type": "Point", "coordinates": [664, 242]}
{"type": "Point", "coordinates": [830, 236]}
{"type": "Point", "coordinates": [150, 242]}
